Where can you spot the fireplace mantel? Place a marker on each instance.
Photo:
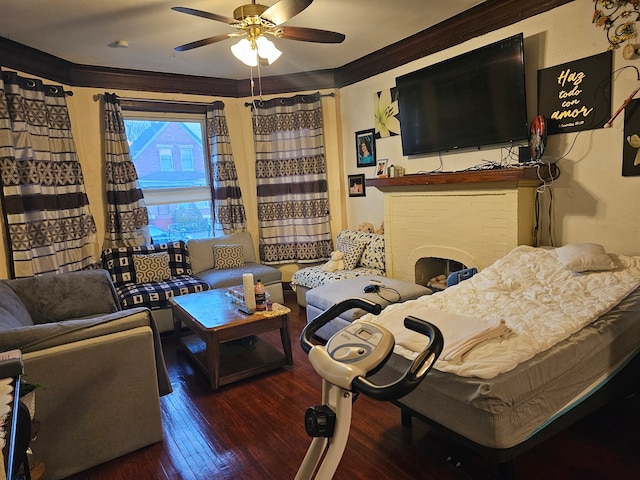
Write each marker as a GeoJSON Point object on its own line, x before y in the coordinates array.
{"type": "Point", "coordinates": [517, 175]}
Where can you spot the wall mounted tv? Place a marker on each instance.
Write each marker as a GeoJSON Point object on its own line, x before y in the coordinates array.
{"type": "Point", "coordinates": [473, 100]}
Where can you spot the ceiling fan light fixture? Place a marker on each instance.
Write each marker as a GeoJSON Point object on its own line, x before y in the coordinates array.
{"type": "Point", "coordinates": [244, 52]}
{"type": "Point", "coordinates": [267, 49]}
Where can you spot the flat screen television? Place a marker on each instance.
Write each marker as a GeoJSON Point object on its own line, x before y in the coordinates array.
{"type": "Point", "coordinates": [469, 101]}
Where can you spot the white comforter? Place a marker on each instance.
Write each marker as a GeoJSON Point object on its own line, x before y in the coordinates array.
{"type": "Point", "coordinates": [541, 301]}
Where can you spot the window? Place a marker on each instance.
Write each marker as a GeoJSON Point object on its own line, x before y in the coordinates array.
{"type": "Point", "coordinates": [186, 157]}
{"type": "Point", "coordinates": [166, 159]}
{"type": "Point", "coordinates": [177, 193]}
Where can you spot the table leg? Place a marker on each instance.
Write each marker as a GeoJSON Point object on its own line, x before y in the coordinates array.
{"type": "Point", "coordinates": [285, 336]}
{"type": "Point", "coordinates": [177, 330]}
{"type": "Point", "coordinates": [213, 359]}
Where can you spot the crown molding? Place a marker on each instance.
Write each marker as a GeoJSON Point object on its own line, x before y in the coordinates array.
{"type": "Point", "coordinates": [485, 17]}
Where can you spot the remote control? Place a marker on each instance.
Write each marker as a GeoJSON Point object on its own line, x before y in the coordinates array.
{"type": "Point", "coordinates": [246, 310]}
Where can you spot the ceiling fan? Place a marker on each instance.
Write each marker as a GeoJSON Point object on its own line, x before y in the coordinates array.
{"type": "Point", "coordinates": [253, 22]}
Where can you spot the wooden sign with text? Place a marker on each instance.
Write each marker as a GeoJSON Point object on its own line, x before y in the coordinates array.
{"type": "Point", "coordinates": [577, 95]}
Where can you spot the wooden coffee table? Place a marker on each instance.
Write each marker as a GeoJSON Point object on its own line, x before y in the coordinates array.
{"type": "Point", "coordinates": [224, 342]}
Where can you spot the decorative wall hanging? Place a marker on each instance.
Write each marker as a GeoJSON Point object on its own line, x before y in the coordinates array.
{"type": "Point", "coordinates": [577, 95]}
{"type": "Point", "coordinates": [365, 148]}
{"type": "Point", "coordinates": [356, 185]}
{"type": "Point", "coordinates": [618, 19]}
{"type": "Point", "coordinates": [387, 115]}
{"type": "Point", "coordinates": [631, 148]}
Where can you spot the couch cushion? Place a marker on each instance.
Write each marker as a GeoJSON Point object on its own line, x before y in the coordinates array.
{"type": "Point", "coordinates": [233, 276]}
{"type": "Point", "coordinates": [155, 295]}
{"type": "Point", "coordinates": [119, 261]}
{"type": "Point", "coordinates": [312, 277]}
{"type": "Point", "coordinates": [227, 256]}
{"type": "Point", "coordinates": [13, 313]}
{"type": "Point", "coordinates": [200, 249]}
{"type": "Point", "coordinates": [374, 254]}
{"type": "Point", "coordinates": [352, 252]}
{"type": "Point", "coordinates": [152, 267]}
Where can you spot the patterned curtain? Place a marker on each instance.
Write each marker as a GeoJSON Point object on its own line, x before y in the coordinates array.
{"type": "Point", "coordinates": [293, 203]}
{"type": "Point", "coordinates": [127, 217]}
{"type": "Point", "coordinates": [49, 225]}
{"type": "Point", "coordinates": [228, 210]}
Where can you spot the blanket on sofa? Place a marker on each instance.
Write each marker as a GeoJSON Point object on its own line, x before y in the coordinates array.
{"type": "Point", "coordinates": [539, 298]}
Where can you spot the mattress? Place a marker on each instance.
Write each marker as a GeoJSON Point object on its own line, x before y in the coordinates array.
{"type": "Point", "coordinates": [538, 297]}
{"type": "Point", "coordinates": [506, 410]}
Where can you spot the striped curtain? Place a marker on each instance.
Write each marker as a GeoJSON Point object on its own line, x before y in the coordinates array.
{"type": "Point", "coordinates": [127, 218]}
{"type": "Point", "coordinates": [228, 210]}
{"type": "Point", "coordinates": [293, 203]}
{"type": "Point", "coordinates": [46, 209]}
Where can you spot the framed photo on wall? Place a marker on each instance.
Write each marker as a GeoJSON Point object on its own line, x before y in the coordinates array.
{"type": "Point", "coordinates": [365, 148]}
{"type": "Point", "coordinates": [356, 185]}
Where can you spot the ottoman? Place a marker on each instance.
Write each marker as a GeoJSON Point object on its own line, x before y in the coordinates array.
{"type": "Point", "coordinates": [323, 297]}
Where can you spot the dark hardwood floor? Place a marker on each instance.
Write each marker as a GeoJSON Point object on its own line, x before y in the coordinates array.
{"type": "Point", "coordinates": [254, 429]}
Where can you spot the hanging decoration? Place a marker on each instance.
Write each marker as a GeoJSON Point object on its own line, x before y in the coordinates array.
{"type": "Point", "coordinates": [618, 18]}
{"type": "Point", "coordinates": [387, 115]}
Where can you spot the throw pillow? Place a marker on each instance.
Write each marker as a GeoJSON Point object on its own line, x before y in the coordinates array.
{"type": "Point", "coordinates": [584, 257]}
{"type": "Point", "coordinates": [227, 256]}
{"type": "Point", "coordinates": [352, 252]}
{"type": "Point", "coordinates": [152, 267]}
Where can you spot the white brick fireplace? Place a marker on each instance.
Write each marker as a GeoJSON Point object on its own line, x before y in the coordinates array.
{"type": "Point", "coordinates": [473, 222]}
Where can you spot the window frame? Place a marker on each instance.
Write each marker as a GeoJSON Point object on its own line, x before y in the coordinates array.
{"type": "Point", "coordinates": [175, 111]}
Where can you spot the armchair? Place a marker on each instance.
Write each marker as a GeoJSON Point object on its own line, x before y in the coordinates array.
{"type": "Point", "coordinates": [101, 368]}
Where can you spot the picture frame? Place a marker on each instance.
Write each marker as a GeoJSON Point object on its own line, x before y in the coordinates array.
{"type": "Point", "coordinates": [356, 185]}
{"type": "Point", "coordinates": [366, 148]}
{"type": "Point", "coordinates": [381, 168]}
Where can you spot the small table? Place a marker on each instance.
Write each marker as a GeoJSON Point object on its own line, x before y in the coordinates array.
{"type": "Point", "coordinates": [217, 326]}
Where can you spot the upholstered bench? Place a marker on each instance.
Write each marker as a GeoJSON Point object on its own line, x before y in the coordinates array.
{"type": "Point", "coordinates": [321, 298]}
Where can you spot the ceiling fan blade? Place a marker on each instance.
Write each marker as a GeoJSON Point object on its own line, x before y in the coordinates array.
{"type": "Point", "coordinates": [210, 16]}
{"type": "Point", "coordinates": [202, 43]}
{"type": "Point", "coordinates": [312, 35]}
{"type": "Point", "coordinates": [282, 11]}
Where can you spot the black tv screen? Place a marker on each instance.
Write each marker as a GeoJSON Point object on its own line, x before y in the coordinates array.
{"type": "Point", "coordinates": [473, 100]}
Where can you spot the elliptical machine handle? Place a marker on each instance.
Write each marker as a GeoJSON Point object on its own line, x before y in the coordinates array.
{"type": "Point", "coordinates": [415, 372]}
{"type": "Point", "coordinates": [332, 312]}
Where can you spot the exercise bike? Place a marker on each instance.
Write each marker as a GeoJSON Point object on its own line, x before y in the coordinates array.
{"type": "Point", "coordinates": [349, 357]}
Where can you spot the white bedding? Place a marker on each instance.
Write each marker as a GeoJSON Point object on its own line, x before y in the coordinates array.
{"type": "Point", "coordinates": [541, 301]}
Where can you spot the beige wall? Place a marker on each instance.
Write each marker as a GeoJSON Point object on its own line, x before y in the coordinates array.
{"type": "Point", "coordinates": [592, 201]}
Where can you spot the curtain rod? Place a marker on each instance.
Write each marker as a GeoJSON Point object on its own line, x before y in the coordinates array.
{"type": "Point", "coordinates": [100, 96]}
{"type": "Point", "coordinates": [248, 104]}
{"type": "Point", "coordinates": [53, 88]}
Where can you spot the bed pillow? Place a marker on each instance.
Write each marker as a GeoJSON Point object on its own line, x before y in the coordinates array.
{"type": "Point", "coordinates": [227, 256]}
{"type": "Point", "coordinates": [584, 257]}
{"type": "Point", "coordinates": [352, 252]}
{"type": "Point", "coordinates": [152, 267]}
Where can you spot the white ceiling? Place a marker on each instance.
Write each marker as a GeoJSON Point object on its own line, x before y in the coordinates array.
{"type": "Point", "coordinates": [81, 32]}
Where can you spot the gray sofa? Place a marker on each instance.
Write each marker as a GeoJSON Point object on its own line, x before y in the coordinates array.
{"type": "Point", "coordinates": [202, 264]}
{"type": "Point", "coordinates": [192, 269]}
{"type": "Point", "coordinates": [100, 368]}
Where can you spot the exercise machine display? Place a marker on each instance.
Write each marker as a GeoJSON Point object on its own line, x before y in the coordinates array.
{"type": "Point", "coordinates": [344, 363]}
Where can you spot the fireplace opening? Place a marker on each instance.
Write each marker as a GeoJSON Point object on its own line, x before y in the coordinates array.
{"type": "Point", "coordinates": [432, 272]}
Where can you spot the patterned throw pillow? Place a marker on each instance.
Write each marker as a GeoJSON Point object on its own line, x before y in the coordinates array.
{"type": "Point", "coordinates": [227, 256]}
{"type": "Point", "coordinates": [153, 267]}
{"type": "Point", "coordinates": [352, 252]}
